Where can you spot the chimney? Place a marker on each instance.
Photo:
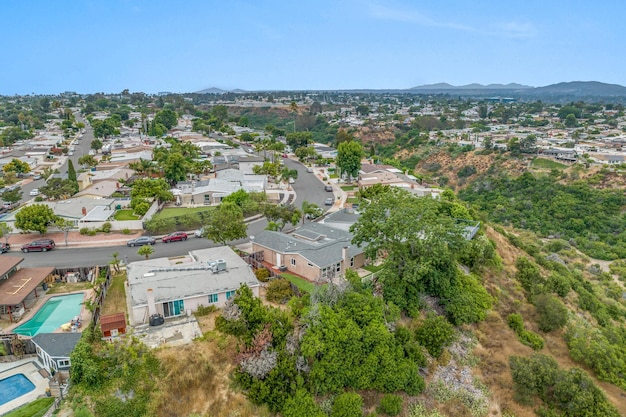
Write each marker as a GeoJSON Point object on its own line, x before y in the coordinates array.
{"type": "Point", "coordinates": [117, 185]}
{"type": "Point", "coordinates": [84, 210]}
{"type": "Point", "coordinates": [344, 256]}
{"type": "Point", "coordinates": [151, 305]}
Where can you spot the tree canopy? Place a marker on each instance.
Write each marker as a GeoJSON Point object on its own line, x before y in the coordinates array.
{"type": "Point", "coordinates": [349, 155]}
{"type": "Point", "coordinates": [226, 224]}
{"type": "Point", "coordinates": [35, 218]}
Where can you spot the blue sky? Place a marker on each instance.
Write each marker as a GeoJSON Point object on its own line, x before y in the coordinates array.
{"type": "Point", "coordinates": [183, 46]}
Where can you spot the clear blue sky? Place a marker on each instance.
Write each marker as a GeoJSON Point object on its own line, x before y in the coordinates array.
{"type": "Point", "coordinates": [90, 46]}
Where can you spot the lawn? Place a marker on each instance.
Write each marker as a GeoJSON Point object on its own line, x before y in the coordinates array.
{"type": "Point", "coordinates": [65, 287]}
{"type": "Point", "coordinates": [373, 268]}
{"type": "Point", "coordinates": [180, 211]}
{"type": "Point", "coordinates": [348, 187]}
{"type": "Point", "coordinates": [302, 284]}
{"type": "Point", "coordinates": [35, 409]}
{"type": "Point", "coordinates": [352, 200]}
{"type": "Point", "coordinates": [115, 301]}
{"type": "Point", "coordinates": [125, 215]}
{"type": "Point", "coordinates": [547, 164]}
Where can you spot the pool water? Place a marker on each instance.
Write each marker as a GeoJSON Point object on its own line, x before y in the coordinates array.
{"type": "Point", "coordinates": [13, 387]}
{"type": "Point", "coordinates": [55, 312]}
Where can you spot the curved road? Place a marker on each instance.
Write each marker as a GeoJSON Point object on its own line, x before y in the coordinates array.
{"type": "Point", "coordinates": [307, 186]}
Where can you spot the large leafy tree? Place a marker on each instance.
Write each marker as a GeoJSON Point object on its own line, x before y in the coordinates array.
{"type": "Point", "coordinates": [16, 166]}
{"type": "Point", "coordinates": [35, 218]}
{"type": "Point", "coordinates": [349, 155]}
{"type": "Point", "coordinates": [155, 188]}
{"type": "Point", "coordinates": [12, 196]}
{"type": "Point", "coordinates": [226, 224]}
{"type": "Point", "coordinates": [299, 139]}
{"type": "Point", "coordinates": [57, 188]}
{"type": "Point", "coordinates": [167, 118]}
{"type": "Point", "coordinates": [279, 216]}
{"type": "Point", "coordinates": [422, 242]}
{"type": "Point", "coordinates": [175, 167]}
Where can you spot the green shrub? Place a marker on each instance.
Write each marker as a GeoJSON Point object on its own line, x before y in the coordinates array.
{"type": "Point", "coordinates": [92, 232]}
{"type": "Point", "coordinates": [38, 199]}
{"type": "Point", "coordinates": [279, 291]}
{"type": "Point", "coordinates": [559, 284]}
{"type": "Point", "coordinates": [203, 310]}
{"type": "Point", "coordinates": [126, 231]}
{"type": "Point", "coordinates": [390, 404]}
{"type": "Point", "coordinates": [262, 274]}
{"type": "Point", "coordinates": [434, 334]}
{"type": "Point", "coordinates": [527, 337]}
{"type": "Point", "coordinates": [348, 404]}
{"type": "Point", "coordinates": [106, 227]}
{"type": "Point", "coordinates": [84, 231]}
{"type": "Point", "coordinates": [552, 312]}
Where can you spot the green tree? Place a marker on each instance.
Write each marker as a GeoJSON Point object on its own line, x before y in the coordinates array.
{"type": "Point", "coordinates": [96, 144]}
{"type": "Point", "coordinates": [302, 404]}
{"type": "Point", "coordinates": [71, 175]}
{"type": "Point", "coordinates": [167, 118]}
{"type": "Point", "coordinates": [12, 196]}
{"type": "Point", "coordinates": [281, 215]}
{"type": "Point", "coordinates": [570, 121]}
{"type": "Point", "coordinates": [226, 224]}
{"type": "Point", "coordinates": [310, 210]}
{"type": "Point", "coordinates": [57, 188]}
{"type": "Point", "coordinates": [146, 251]}
{"type": "Point", "coordinates": [17, 167]}
{"type": "Point", "coordinates": [65, 226]}
{"type": "Point", "coordinates": [5, 231]}
{"type": "Point", "coordinates": [175, 167]}
{"type": "Point", "coordinates": [421, 240]}
{"type": "Point", "coordinates": [156, 188]}
{"type": "Point", "coordinates": [348, 404]}
{"type": "Point", "coordinates": [35, 218]}
{"type": "Point", "coordinates": [349, 155]}
{"type": "Point", "coordinates": [88, 160]}
{"type": "Point", "coordinates": [299, 139]}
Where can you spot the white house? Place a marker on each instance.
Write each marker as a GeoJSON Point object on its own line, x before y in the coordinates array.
{"type": "Point", "coordinates": [177, 286]}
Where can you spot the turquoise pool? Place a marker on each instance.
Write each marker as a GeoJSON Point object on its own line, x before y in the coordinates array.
{"type": "Point", "coordinates": [13, 387]}
{"type": "Point", "coordinates": [55, 312]}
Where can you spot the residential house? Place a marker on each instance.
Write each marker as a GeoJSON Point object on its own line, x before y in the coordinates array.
{"type": "Point", "coordinates": [178, 286]}
{"type": "Point", "coordinates": [54, 349]}
{"type": "Point", "coordinates": [371, 174]}
{"type": "Point", "coordinates": [79, 210]}
{"type": "Point", "coordinates": [314, 251]}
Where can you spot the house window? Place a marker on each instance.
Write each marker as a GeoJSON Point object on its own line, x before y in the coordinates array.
{"type": "Point", "coordinates": [338, 267]}
{"type": "Point", "coordinates": [173, 308]}
{"type": "Point", "coordinates": [352, 262]}
{"type": "Point", "coordinates": [63, 363]}
{"type": "Point", "coordinates": [212, 298]}
{"type": "Point", "coordinates": [309, 264]}
{"type": "Point", "coordinates": [293, 262]}
{"type": "Point", "coordinates": [230, 294]}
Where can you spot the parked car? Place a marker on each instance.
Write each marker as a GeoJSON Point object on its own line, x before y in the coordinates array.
{"type": "Point", "coordinates": [9, 206]}
{"type": "Point", "coordinates": [291, 181]}
{"type": "Point", "coordinates": [141, 241]}
{"type": "Point", "coordinates": [199, 232]}
{"type": "Point", "coordinates": [174, 237]}
{"type": "Point", "coordinates": [328, 188]}
{"type": "Point", "coordinates": [309, 170]}
{"type": "Point", "coordinates": [4, 247]}
{"type": "Point", "coordinates": [329, 201]}
{"type": "Point", "coordinates": [42, 245]}
{"type": "Point", "coordinates": [37, 177]}
{"type": "Point", "coordinates": [34, 192]}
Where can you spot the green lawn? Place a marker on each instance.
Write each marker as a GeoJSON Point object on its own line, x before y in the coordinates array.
{"type": "Point", "coordinates": [125, 215]}
{"type": "Point", "coordinates": [348, 187]}
{"type": "Point", "coordinates": [180, 211]}
{"type": "Point", "coordinates": [373, 268]}
{"type": "Point", "coordinates": [302, 284]}
{"type": "Point", "coordinates": [35, 409]}
{"type": "Point", "coordinates": [547, 164]}
{"type": "Point", "coordinates": [352, 200]}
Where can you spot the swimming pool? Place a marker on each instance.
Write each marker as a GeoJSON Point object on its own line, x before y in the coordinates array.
{"type": "Point", "coordinates": [55, 312]}
{"type": "Point", "coordinates": [13, 387]}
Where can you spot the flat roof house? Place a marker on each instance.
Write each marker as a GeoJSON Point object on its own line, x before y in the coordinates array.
{"type": "Point", "coordinates": [54, 349]}
{"type": "Point", "coordinates": [174, 286]}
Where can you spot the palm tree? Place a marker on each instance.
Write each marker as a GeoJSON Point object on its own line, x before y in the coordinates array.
{"type": "Point", "coordinates": [146, 251]}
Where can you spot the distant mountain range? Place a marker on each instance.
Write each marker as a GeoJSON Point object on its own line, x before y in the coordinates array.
{"type": "Point", "coordinates": [561, 92]}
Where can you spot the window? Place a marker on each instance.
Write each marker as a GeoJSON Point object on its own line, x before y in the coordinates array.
{"type": "Point", "coordinates": [212, 298]}
{"type": "Point", "coordinates": [338, 267]}
{"type": "Point", "coordinates": [309, 264]}
{"type": "Point", "coordinates": [64, 362]}
{"type": "Point", "coordinates": [352, 262]}
{"type": "Point", "coordinates": [293, 262]}
{"type": "Point", "coordinates": [230, 294]}
{"type": "Point", "coordinates": [173, 308]}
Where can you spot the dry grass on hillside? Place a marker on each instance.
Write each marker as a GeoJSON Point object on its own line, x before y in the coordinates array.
{"type": "Point", "coordinates": [197, 380]}
{"type": "Point", "coordinates": [497, 342]}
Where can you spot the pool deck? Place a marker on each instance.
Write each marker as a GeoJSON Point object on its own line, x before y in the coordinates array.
{"type": "Point", "coordinates": [29, 368]}
{"type": "Point", "coordinates": [85, 315]}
